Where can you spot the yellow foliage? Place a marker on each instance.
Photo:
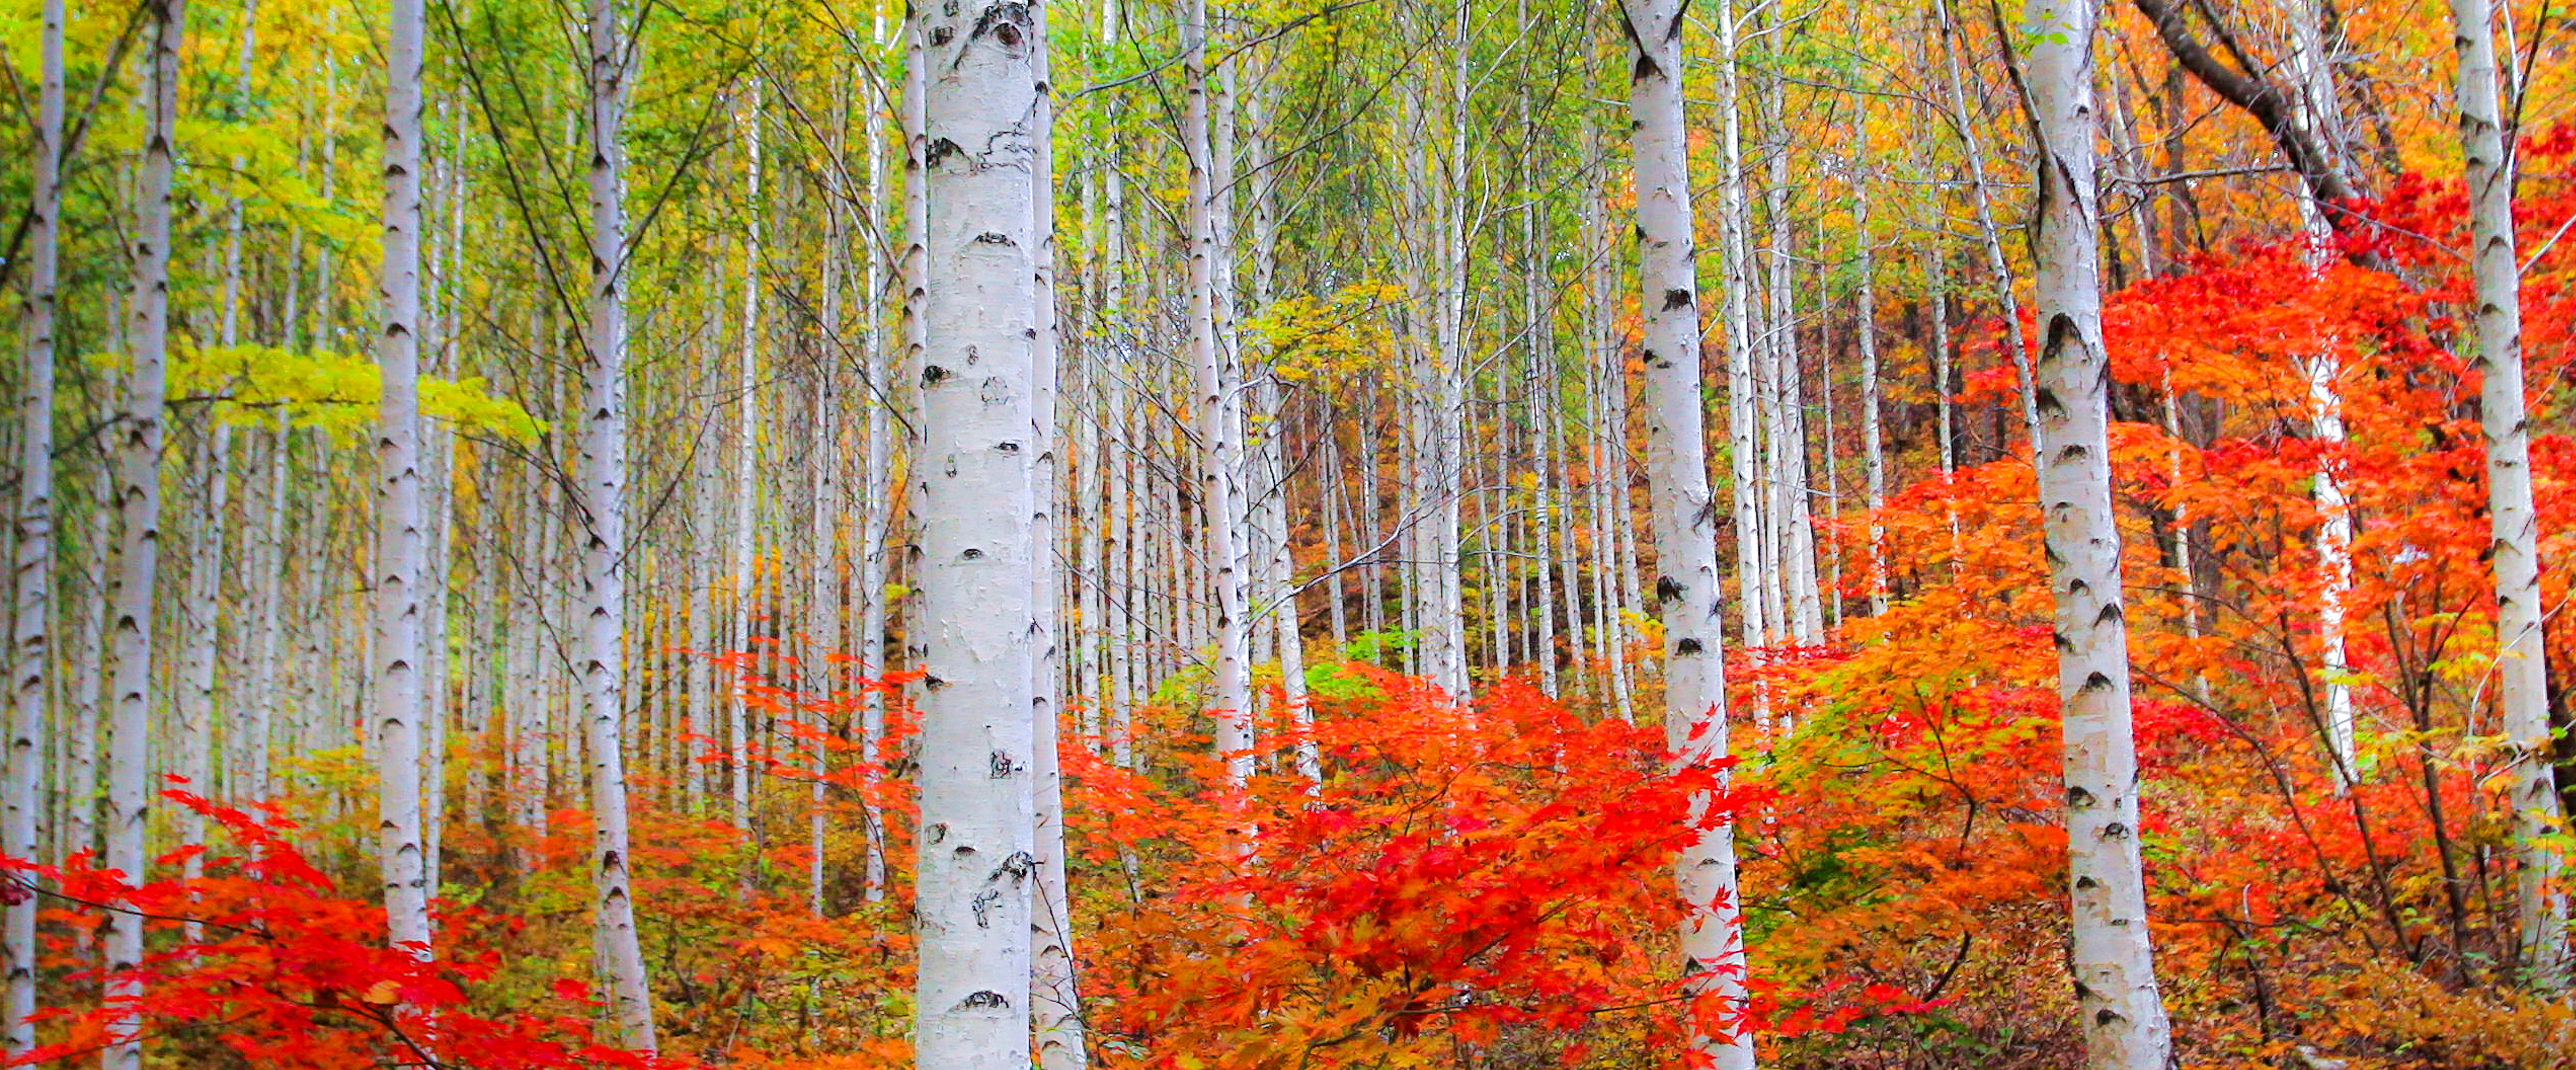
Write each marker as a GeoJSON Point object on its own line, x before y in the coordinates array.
{"type": "Point", "coordinates": [337, 392]}
{"type": "Point", "coordinates": [1327, 340]}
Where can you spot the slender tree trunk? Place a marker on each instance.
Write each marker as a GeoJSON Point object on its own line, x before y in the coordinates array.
{"type": "Point", "coordinates": [400, 542]}
{"type": "Point", "coordinates": [1865, 321]}
{"type": "Point", "coordinates": [2122, 1015]}
{"type": "Point", "coordinates": [2540, 905]}
{"type": "Point", "coordinates": [1743, 450]}
{"type": "Point", "coordinates": [974, 503]}
{"type": "Point", "coordinates": [1054, 987]}
{"type": "Point", "coordinates": [1217, 432]}
{"type": "Point", "coordinates": [823, 463]}
{"type": "Point", "coordinates": [746, 451]}
{"type": "Point", "coordinates": [90, 696]}
{"type": "Point", "coordinates": [257, 706]}
{"type": "Point", "coordinates": [1996, 265]}
{"type": "Point", "coordinates": [2313, 74]}
{"type": "Point", "coordinates": [875, 522]}
{"type": "Point", "coordinates": [31, 634]}
{"type": "Point", "coordinates": [139, 497]}
{"type": "Point", "coordinates": [1686, 581]}
{"type": "Point", "coordinates": [603, 557]}
{"type": "Point", "coordinates": [1793, 514]}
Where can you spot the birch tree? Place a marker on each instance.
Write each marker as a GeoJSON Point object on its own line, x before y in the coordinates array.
{"type": "Point", "coordinates": [600, 654]}
{"type": "Point", "coordinates": [2540, 905]}
{"type": "Point", "coordinates": [31, 635]}
{"type": "Point", "coordinates": [138, 492]}
{"type": "Point", "coordinates": [1054, 994]}
{"type": "Point", "coordinates": [400, 542]}
{"type": "Point", "coordinates": [1686, 582]}
{"type": "Point", "coordinates": [2122, 1015]}
{"type": "Point", "coordinates": [974, 500]}
{"type": "Point", "coordinates": [1219, 435]}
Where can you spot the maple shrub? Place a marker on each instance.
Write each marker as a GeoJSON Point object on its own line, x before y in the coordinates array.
{"type": "Point", "coordinates": [2302, 915]}
{"type": "Point", "coordinates": [263, 961]}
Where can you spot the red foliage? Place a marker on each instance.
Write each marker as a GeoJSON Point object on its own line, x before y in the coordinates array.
{"type": "Point", "coordinates": [263, 960]}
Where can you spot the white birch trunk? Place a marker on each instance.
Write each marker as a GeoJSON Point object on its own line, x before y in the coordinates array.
{"type": "Point", "coordinates": [1686, 585]}
{"type": "Point", "coordinates": [2313, 76]}
{"type": "Point", "coordinates": [600, 657]}
{"type": "Point", "coordinates": [1793, 515]}
{"type": "Point", "coordinates": [89, 686]}
{"type": "Point", "coordinates": [1865, 320]}
{"type": "Point", "coordinates": [746, 450]}
{"type": "Point", "coordinates": [257, 716]}
{"type": "Point", "coordinates": [702, 634]}
{"type": "Point", "coordinates": [974, 501]}
{"type": "Point", "coordinates": [31, 634]}
{"type": "Point", "coordinates": [1217, 432]}
{"type": "Point", "coordinates": [401, 544]}
{"type": "Point", "coordinates": [1055, 1001]}
{"type": "Point", "coordinates": [139, 496]}
{"type": "Point", "coordinates": [2122, 1016]}
{"type": "Point", "coordinates": [1743, 450]}
{"type": "Point", "coordinates": [875, 520]}
{"type": "Point", "coordinates": [2540, 904]}
{"type": "Point", "coordinates": [2008, 304]}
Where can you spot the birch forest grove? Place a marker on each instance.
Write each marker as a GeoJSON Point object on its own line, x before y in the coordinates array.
{"type": "Point", "coordinates": [1288, 534]}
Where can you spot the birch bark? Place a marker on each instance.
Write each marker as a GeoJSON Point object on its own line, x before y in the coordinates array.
{"type": "Point", "coordinates": [601, 659]}
{"type": "Point", "coordinates": [746, 447]}
{"type": "Point", "coordinates": [1742, 435]}
{"type": "Point", "coordinates": [1865, 319]}
{"type": "Point", "coordinates": [1215, 388]}
{"type": "Point", "coordinates": [139, 499]}
{"type": "Point", "coordinates": [973, 505]}
{"type": "Point", "coordinates": [401, 545]}
{"type": "Point", "coordinates": [2540, 904]}
{"type": "Point", "coordinates": [2122, 1015]}
{"type": "Point", "coordinates": [1054, 996]}
{"type": "Point", "coordinates": [1686, 585]}
{"type": "Point", "coordinates": [31, 637]}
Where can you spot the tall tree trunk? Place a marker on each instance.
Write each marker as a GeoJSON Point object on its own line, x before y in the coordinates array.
{"type": "Point", "coordinates": [31, 637]}
{"type": "Point", "coordinates": [875, 523]}
{"type": "Point", "coordinates": [2122, 1016]}
{"type": "Point", "coordinates": [1965, 120]}
{"type": "Point", "coordinates": [746, 446]}
{"type": "Point", "coordinates": [1865, 321]}
{"type": "Point", "coordinates": [2310, 67]}
{"type": "Point", "coordinates": [974, 503]}
{"type": "Point", "coordinates": [139, 496]}
{"type": "Point", "coordinates": [1793, 515]}
{"type": "Point", "coordinates": [1215, 389]}
{"type": "Point", "coordinates": [2540, 905]}
{"type": "Point", "coordinates": [1054, 996]}
{"type": "Point", "coordinates": [400, 543]}
{"type": "Point", "coordinates": [603, 558]}
{"type": "Point", "coordinates": [270, 559]}
{"type": "Point", "coordinates": [1742, 430]}
{"type": "Point", "coordinates": [1686, 582]}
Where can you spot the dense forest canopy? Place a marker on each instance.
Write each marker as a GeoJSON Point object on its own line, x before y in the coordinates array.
{"type": "Point", "coordinates": [1288, 535]}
